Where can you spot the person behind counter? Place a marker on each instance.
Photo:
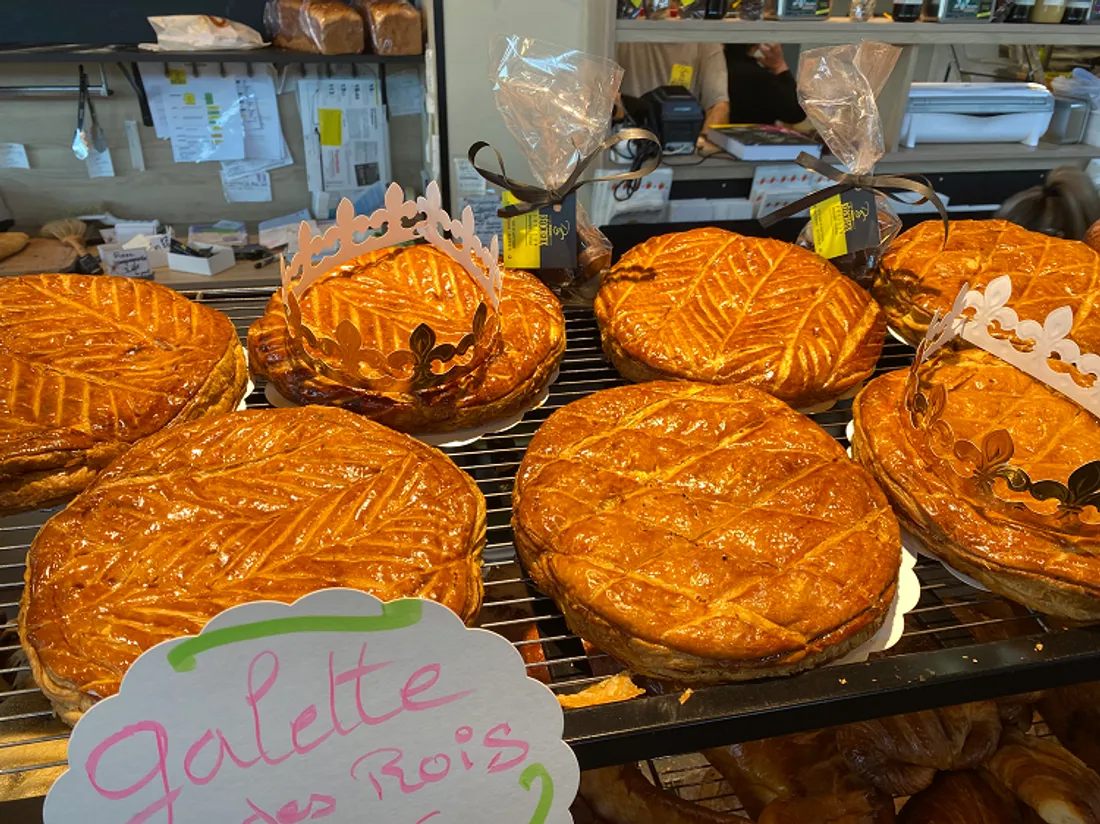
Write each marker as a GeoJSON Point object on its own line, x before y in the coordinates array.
{"type": "Point", "coordinates": [699, 67]}
{"type": "Point", "coordinates": [761, 86]}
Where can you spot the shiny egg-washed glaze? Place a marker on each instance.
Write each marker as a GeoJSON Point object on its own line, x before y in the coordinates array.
{"type": "Point", "coordinates": [920, 276]}
{"type": "Point", "coordinates": [710, 305]}
{"type": "Point", "coordinates": [263, 504]}
{"type": "Point", "coordinates": [961, 797]}
{"type": "Point", "coordinates": [1036, 560]}
{"type": "Point", "coordinates": [532, 333]}
{"type": "Point", "coordinates": [704, 533]}
{"type": "Point", "coordinates": [1047, 778]}
{"type": "Point", "coordinates": [89, 364]}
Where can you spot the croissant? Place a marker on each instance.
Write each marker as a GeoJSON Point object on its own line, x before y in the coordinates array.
{"type": "Point", "coordinates": [799, 778]}
{"type": "Point", "coordinates": [961, 798]}
{"type": "Point", "coordinates": [622, 795]}
{"type": "Point", "coordinates": [901, 754]}
{"type": "Point", "coordinates": [1073, 715]}
{"type": "Point", "coordinates": [1047, 777]}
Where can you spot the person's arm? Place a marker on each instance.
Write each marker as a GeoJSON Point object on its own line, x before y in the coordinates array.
{"type": "Point", "coordinates": [714, 86]}
{"type": "Point", "coordinates": [784, 90]}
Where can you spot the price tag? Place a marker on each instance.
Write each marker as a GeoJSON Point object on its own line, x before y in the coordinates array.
{"type": "Point", "coordinates": [844, 223]}
{"type": "Point", "coordinates": [126, 263]}
{"type": "Point", "coordinates": [337, 708]}
{"type": "Point", "coordinates": [681, 75]}
{"type": "Point", "coordinates": [542, 239]}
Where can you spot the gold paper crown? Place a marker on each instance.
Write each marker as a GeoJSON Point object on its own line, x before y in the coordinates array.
{"type": "Point", "coordinates": [985, 321]}
{"type": "Point", "coordinates": [400, 221]}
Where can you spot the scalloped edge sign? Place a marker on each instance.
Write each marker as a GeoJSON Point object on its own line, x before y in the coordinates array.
{"type": "Point", "coordinates": [338, 708]}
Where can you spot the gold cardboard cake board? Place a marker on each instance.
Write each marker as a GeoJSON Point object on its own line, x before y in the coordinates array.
{"type": "Point", "coordinates": [1043, 351]}
{"type": "Point", "coordinates": [424, 364]}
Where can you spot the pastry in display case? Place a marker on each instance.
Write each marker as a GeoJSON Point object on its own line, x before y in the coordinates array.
{"type": "Point", "coordinates": [1047, 778]}
{"type": "Point", "coordinates": [710, 305]}
{"type": "Point", "coordinates": [920, 275]}
{"type": "Point", "coordinates": [254, 505]}
{"type": "Point", "coordinates": [702, 533]}
{"type": "Point", "coordinates": [426, 338]}
{"type": "Point", "coordinates": [944, 494]}
{"type": "Point", "coordinates": [963, 797]}
{"type": "Point", "coordinates": [91, 364]}
{"type": "Point", "coordinates": [622, 795]}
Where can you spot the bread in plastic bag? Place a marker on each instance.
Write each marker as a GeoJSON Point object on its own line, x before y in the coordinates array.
{"type": "Point", "coordinates": [557, 103]}
{"type": "Point", "coordinates": [837, 86]}
{"type": "Point", "coordinates": [201, 32]}
{"type": "Point", "coordinates": [315, 26]}
{"type": "Point", "coordinates": [393, 26]}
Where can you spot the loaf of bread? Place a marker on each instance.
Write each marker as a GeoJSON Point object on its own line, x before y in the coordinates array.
{"type": "Point", "coordinates": [316, 26]}
{"type": "Point", "coordinates": [394, 26]}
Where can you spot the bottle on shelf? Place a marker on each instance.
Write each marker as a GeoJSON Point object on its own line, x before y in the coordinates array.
{"type": "Point", "coordinates": [906, 12]}
{"type": "Point", "coordinates": [1048, 11]}
{"type": "Point", "coordinates": [1019, 11]}
{"type": "Point", "coordinates": [1077, 12]}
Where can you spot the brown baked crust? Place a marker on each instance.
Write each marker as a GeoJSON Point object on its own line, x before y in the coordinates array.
{"type": "Point", "coordinates": [532, 330]}
{"type": "Point", "coordinates": [622, 795]}
{"type": "Point", "coordinates": [918, 278]}
{"type": "Point", "coordinates": [710, 305]}
{"type": "Point", "coordinates": [269, 504]}
{"type": "Point", "coordinates": [1047, 778]}
{"type": "Point", "coordinates": [962, 797]}
{"type": "Point", "coordinates": [89, 364]}
{"type": "Point", "coordinates": [1029, 558]}
{"type": "Point", "coordinates": [703, 533]}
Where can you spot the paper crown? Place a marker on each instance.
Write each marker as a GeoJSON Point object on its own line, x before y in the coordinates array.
{"type": "Point", "coordinates": [400, 221]}
{"type": "Point", "coordinates": [985, 321]}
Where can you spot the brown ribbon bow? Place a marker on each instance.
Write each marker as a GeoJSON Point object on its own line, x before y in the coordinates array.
{"type": "Point", "coordinates": [845, 182]}
{"type": "Point", "coordinates": [532, 197]}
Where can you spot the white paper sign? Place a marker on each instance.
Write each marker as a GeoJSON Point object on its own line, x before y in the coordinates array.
{"type": "Point", "coordinates": [204, 119]}
{"type": "Point", "coordinates": [248, 189]}
{"type": "Point", "coordinates": [99, 163]}
{"type": "Point", "coordinates": [469, 181]}
{"type": "Point", "coordinates": [338, 708]}
{"type": "Point", "coordinates": [13, 156]}
{"type": "Point", "coordinates": [126, 263]}
{"type": "Point", "coordinates": [156, 246]}
{"type": "Point", "coordinates": [405, 93]}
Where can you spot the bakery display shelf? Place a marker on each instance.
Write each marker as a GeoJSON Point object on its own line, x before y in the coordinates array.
{"type": "Point", "coordinates": [836, 31]}
{"type": "Point", "coordinates": [959, 644]}
{"type": "Point", "coordinates": [76, 53]}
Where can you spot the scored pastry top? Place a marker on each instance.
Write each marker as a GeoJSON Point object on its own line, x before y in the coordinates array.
{"type": "Point", "coordinates": [920, 275]}
{"type": "Point", "coordinates": [93, 358]}
{"type": "Point", "coordinates": [707, 521]}
{"type": "Point", "coordinates": [264, 504]}
{"type": "Point", "coordinates": [714, 306]}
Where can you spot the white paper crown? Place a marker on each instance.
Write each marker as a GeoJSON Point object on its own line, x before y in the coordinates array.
{"type": "Point", "coordinates": [985, 321]}
{"type": "Point", "coordinates": [400, 221]}
{"type": "Point", "coordinates": [1026, 344]}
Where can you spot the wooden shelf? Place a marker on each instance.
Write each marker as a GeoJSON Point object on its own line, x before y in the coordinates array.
{"type": "Point", "coordinates": [928, 158]}
{"type": "Point", "coordinates": [132, 54]}
{"type": "Point", "coordinates": [838, 30]}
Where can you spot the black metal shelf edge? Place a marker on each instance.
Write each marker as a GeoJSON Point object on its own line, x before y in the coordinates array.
{"type": "Point", "coordinates": [132, 54]}
{"type": "Point", "coordinates": [651, 727]}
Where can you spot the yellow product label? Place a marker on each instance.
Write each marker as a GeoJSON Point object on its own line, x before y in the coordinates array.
{"type": "Point", "coordinates": [522, 238]}
{"type": "Point", "coordinates": [189, 99]}
{"type": "Point", "coordinates": [331, 126]}
{"type": "Point", "coordinates": [831, 225]}
{"type": "Point", "coordinates": [681, 75]}
{"type": "Point", "coordinates": [177, 77]}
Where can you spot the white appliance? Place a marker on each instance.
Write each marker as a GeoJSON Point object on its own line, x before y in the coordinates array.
{"type": "Point", "coordinates": [976, 113]}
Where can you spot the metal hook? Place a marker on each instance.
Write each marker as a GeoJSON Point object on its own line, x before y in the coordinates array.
{"type": "Point", "coordinates": [221, 69]}
{"type": "Point", "coordinates": [195, 70]}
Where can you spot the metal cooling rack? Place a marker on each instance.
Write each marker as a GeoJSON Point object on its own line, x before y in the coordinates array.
{"type": "Point", "coordinates": [960, 644]}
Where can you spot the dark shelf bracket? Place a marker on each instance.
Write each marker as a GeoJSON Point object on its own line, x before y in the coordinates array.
{"type": "Point", "coordinates": [134, 77]}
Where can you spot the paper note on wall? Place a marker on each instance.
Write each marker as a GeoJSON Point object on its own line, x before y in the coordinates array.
{"type": "Point", "coordinates": [249, 189]}
{"type": "Point", "coordinates": [245, 168]}
{"type": "Point", "coordinates": [259, 107]}
{"type": "Point", "coordinates": [404, 93]}
{"type": "Point", "coordinates": [133, 140]}
{"type": "Point", "coordinates": [99, 163]}
{"type": "Point", "coordinates": [204, 120]}
{"type": "Point", "coordinates": [13, 156]}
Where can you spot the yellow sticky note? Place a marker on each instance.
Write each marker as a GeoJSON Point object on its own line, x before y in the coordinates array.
{"type": "Point", "coordinates": [522, 238]}
{"type": "Point", "coordinates": [177, 77]}
{"type": "Point", "coordinates": [331, 126]}
{"type": "Point", "coordinates": [189, 99]}
{"type": "Point", "coordinates": [681, 75]}
{"type": "Point", "coordinates": [830, 231]}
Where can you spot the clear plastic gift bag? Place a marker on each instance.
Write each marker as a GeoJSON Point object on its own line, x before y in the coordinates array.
{"type": "Point", "coordinates": [557, 103]}
{"type": "Point", "coordinates": [837, 86]}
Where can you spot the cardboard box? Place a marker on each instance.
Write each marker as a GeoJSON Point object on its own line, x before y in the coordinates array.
{"type": "Point", "coordinates": [221, 260]}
